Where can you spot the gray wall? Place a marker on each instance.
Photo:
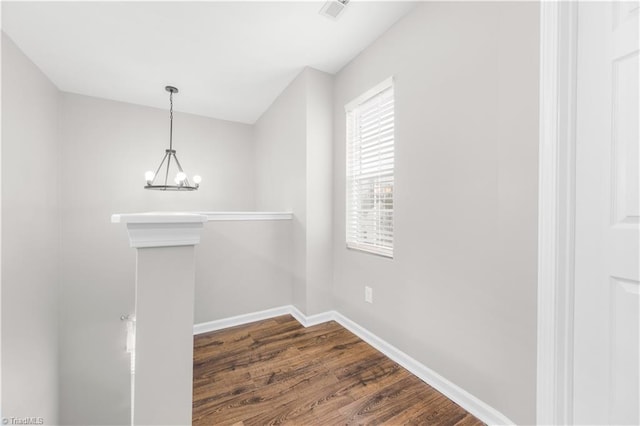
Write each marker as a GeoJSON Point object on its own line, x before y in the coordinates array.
{"type": "Point", "coordinates": [30, 238]}
{"type": "Point", "coordinates": [460, 294]}
{"type": "Point", "coordinates": [106, 147]}
{"type": "Point", "coordinates": [293, 172]}
{"type": "Point", "coordinates": [280, 172]}
{"type": "Point", "coordinates": [242, 267]}
{"type": "Point", "coordinates": [319, 191]}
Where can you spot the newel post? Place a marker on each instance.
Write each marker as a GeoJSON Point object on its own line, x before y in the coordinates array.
{"type": "Point", "coordinates": [165, 277]}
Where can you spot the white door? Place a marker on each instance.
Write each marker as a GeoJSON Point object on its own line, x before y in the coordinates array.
{"type": "Point", "coordinates": [607, 299]}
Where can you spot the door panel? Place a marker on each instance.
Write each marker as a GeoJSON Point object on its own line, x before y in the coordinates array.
{"type": "Point", "coordinates": [624, 351]}
{"type": "Point", "coordinates": [625, 141]}
{"type": "Point", "coordinates": [607, 296]}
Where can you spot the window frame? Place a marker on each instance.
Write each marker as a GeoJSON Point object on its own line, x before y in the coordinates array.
{"type": "Point", "coordinates": [350, 111]}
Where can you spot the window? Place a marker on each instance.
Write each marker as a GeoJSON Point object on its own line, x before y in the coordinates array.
{"type": "Point", "coordinates": [370, 162]}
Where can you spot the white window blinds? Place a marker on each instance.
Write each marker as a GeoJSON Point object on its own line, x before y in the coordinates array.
{"type": "Point", "coordinates": [370, 163]}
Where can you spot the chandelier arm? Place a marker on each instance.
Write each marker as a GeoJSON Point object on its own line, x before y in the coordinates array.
{"type": "Point", "coordinates": [186, 179]}
{"type": "Point", "coordinates": [172, 188]}
{"type": "Point", "coordinates": [166, 175]}
{"type": "Point", "coordinates": [155, 176]}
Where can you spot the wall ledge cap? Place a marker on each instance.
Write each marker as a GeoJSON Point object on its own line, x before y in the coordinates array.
{"type": "Point", "coordinates": [162, 229]}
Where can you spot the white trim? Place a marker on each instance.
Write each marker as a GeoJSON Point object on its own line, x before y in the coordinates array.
{"type": "Point", "coordinates": [383, 85]}
{"type": "Point", "coordinates": [227, 216]}
{"type": "Point", "coordinates": [311, 320]}
{"type": "Point", "coordinates": [371, 249]}
{"type": "Point", "coordinates": [464, 399]}
{"type": "Point", "coordinates": [162, 229]}
{"type": "Point", "coordinates": [184, 217]}
{"type": "Point", "coordinates": [158, 217]}
{"type": "Point", "coordinates": [223, 323]}
{"type": "Point", "coordinates": [556, 207]}
{"type": "Point", "coordinates": [169, 229]}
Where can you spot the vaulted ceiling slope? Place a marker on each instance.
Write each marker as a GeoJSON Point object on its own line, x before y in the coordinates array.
{"type": "Point", "coordinates": [230, 60]}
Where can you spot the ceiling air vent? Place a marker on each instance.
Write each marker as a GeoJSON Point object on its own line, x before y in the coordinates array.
{"type": "Point", "coordinates": [333, 8]}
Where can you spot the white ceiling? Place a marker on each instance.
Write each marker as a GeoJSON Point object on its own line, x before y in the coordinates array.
{"type": "Point", "coordinates": [230, 60]}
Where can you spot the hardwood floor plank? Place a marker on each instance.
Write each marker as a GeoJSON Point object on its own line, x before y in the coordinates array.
{"type": "Point", "coordinates": [383, 404]}
{"type": "Point", "coordinates": [290, 405]}
{"type": "Point", "coordinates": [278, 372]}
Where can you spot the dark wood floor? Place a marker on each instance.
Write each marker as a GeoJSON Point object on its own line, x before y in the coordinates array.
{"type": "Point", "coordinates": [278, 372]}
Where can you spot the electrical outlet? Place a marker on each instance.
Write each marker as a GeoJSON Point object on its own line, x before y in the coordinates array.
{"type": "Point", "coordinates": [368, 294]}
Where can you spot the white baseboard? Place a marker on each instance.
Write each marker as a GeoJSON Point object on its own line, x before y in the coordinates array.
{"type": "Point", "coordinates": [311, 320]}
{"type": "Point", "coordinates": [473, 405]}
{"type": "Point", "coordinates": [220, 324]}
{"type": "Point", "coordinates": [464, 399]}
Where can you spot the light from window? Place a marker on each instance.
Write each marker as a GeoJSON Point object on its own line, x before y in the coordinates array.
{"type": "Point", "coordinates": [370, 164]}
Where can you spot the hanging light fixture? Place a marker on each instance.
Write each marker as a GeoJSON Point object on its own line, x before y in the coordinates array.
{"type": "Point", "coordinates": [180, 180]}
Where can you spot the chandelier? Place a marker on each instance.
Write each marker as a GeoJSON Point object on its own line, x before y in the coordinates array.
{"type": "Point", "coordinates": [181, 181]}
